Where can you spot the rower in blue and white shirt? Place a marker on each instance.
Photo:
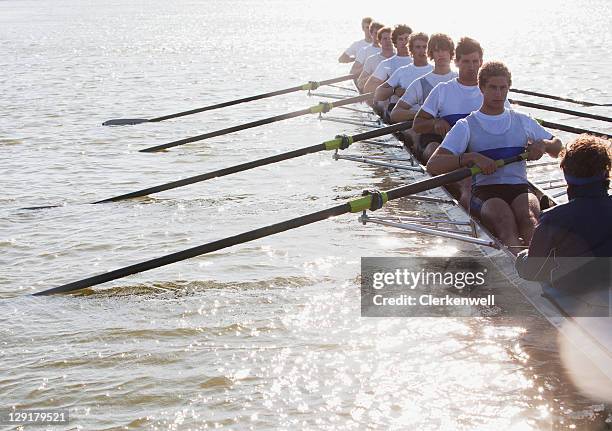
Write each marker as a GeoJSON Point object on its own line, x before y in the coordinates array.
{"type": "Point", "coordinates": [500, 197]}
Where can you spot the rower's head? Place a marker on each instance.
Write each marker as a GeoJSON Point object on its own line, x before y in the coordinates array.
{"type": "Point", "coordinates": [400, 35]}
{"type": "Point", "coordinates": [374, 27]}
{"type": "Point", "coordinates": [587, 160]}
{"type": "Point", "coordinates": [468, 59]}
{"type": "Point", "coordinates": [365, 26]}
{"type": "Point", "coordinates": [384, 38]}
{"type": "Point", "coordinates": [417, 44]}
{"type": "Point", "coordinates": [494, 81]}
{"type": "Point", "coordinates": [440, 49]}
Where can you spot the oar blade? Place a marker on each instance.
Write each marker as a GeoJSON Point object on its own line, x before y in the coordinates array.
{"type": "Point", "coordinates": [125, 121]}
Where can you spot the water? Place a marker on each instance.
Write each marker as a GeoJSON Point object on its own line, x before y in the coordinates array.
{"type": "Point", "coordinates": [266, 334]}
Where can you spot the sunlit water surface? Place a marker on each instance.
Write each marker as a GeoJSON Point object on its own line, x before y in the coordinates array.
{"type": "Point", "coordinates": [266, 334]}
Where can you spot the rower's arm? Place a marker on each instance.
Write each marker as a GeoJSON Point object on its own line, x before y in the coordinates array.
{"type": "Point", "coordinates": [356, 68]}
{"type": "Point", "coordinates": [363, 77]}
{"type": "Point", "coordinates": [345, 58]}
{"type": "Point", "coordinates": [371, 84]}
{"type": "Point", "coordinates": [553, 146]}
{"type": "Point", "coordinates": [401, 112]}
{"type": "Point", "coordinates": [424, 122]}
{"type": "Point", "coordinates": [383, 92]}
{"type": "Point", "coordinates": [443, 161]}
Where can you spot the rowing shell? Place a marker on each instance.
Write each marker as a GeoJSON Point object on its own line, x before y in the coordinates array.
{"type": "Point", "coordinates": [592, 336]}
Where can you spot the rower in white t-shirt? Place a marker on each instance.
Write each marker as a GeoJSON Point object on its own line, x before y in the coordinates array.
{"type": "Point", "coordinates": [363, 54]}
{"type": "Point", "coordinates": [441, 50]}
{"type": "Point", "coordinates": [500, 197]}
{"type": "Point", "coordinates": [385, 68]}
{"type": "Point", "coordinates": [386, 44]}
{"type": "Point", "coordinates": [388, 92]}
{"type": "Point", "coordinates": [349, 54]}
{"type": "Point", "coordinates": [447, 103]}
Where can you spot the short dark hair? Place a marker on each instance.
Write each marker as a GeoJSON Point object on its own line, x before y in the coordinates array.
{"type": "Point", "coordinates": [587, 156]}
{"type": "Point", "coordinates": [491, 69]}
{"type": "Point", "coordinates": [466, 46]}
{"type": "Point", "coordinates": [380, 32]}
{"type": "Point", "coordinates": [440, 41]}
{"type": "Point", "coordinates": [398, 31]}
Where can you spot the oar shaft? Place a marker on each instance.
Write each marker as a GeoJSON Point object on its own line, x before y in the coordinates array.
{"type": "Point", "coordinates": [254, 164]}
{"type": "Point", "coordinates": [226, 131]}
{"type": "Point", "coordinates": [253, 124]}
{"type": "Point", "coordinates": [571, 129]}
{"type": "Point", "coordinates": [218, 173]}
{"type": "Point", "coordinates": [561, 110]}
{"type": "Point", "coordinates": [248, 99]}
{"type": "Point", "coordinates": [356, 205]}
{"type": "Point", "coordinates": [199, 250]}
{"type": "Point", "coordinates": [550, 96]}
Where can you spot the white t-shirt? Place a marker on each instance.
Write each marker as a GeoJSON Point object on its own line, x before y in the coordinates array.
{"type": "Point", "coordinates": [456, 141]}
{"type": "Point", "coordinates": [372, 62]}
{"type": "Point", "coordinates": [386, 67]}
{"type": "Point", "coordinates": [404, 76]}
{"type": "Point", "coordinates": [452, 101]}
{"type": "Point", "coordinates": [414, 93]}
{"type": "Point", "coordinates": [352, 50]}
{"type": "Point", "coordinates": [365, 52]}
{"type": "Point", "coordinates": [497, 137]}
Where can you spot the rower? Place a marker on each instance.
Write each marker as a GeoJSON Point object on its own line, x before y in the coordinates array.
{"type": "Point", "coordinates": [348, 56]}
{"type": "Point", "coordinates": [383, 36]}
{"type": "Point", "coordinates": [500, 197]}
{"type": "Point", "coordinates": [368, 50]}
{"type": "Point", "coordinates": [441, 50]}
{"type": "Point", "coordinates": [579, 229]}
{"type": "Point", "coordinates": [399, 36]}
{"type": "Point", "coordinates": [394, 87]}
{"type": "Point", "coordinates": [448, 102]}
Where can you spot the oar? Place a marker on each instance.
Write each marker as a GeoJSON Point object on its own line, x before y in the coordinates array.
{"type": "Point", "coordinates": [561, 110]}
{"type": "Point", "coordinates": [371, 201]}
{"type": "Point", "coordinates": [312, 85]}
{"type": "Point", "coordinates": [570, 129]}
{"type": "Point", "coordinates": [340, 142]}
{"type": "Point", "coordinates": [322, 107]}
{"type": "Point", "coordinates": [563, 99]}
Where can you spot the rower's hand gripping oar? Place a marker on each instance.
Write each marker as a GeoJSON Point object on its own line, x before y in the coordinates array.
{"type": "Point", "coordinates": [561, 110]}
{"type": "Point", "coordinates": [563, 99]}
{"type": "Point", "coordinates": [371, 201]}
{"type": "Point", "coordinates": [322, 107]}
{"type": "Point", "coordinates": [340, 142]}
{"type": "Point", "coordinates": [312, 85]}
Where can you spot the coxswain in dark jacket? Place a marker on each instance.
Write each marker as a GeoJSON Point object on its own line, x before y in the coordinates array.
{"type": "Point", "coordinates": [571, 248]}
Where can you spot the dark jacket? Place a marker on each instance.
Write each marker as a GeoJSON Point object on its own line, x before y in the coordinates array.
{"type": "Point", "coordinates": [568, 238]}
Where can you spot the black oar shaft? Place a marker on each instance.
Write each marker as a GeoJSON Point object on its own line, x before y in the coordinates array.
{"type": "Point", "coordinates": [218, 173]}
{"type": "Point", "coordinates": [254, 164]}
{"type": "Point", "coordinates": [561, 110]}
{"type": "Point", "coordinates": [550, 96]}
{"type": "Point", "coordinates": [571, 129]}
{"type": "Point", "coordinates": [353, 206]}
{"type": "Point", "coordinates": [252, 124]}
{"type": "Point", "coordinates": [199, 250]}
{"type": "Point", "coordinates": [309, 86]}
{"type": "Point", "coordinates": [249, 99]}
